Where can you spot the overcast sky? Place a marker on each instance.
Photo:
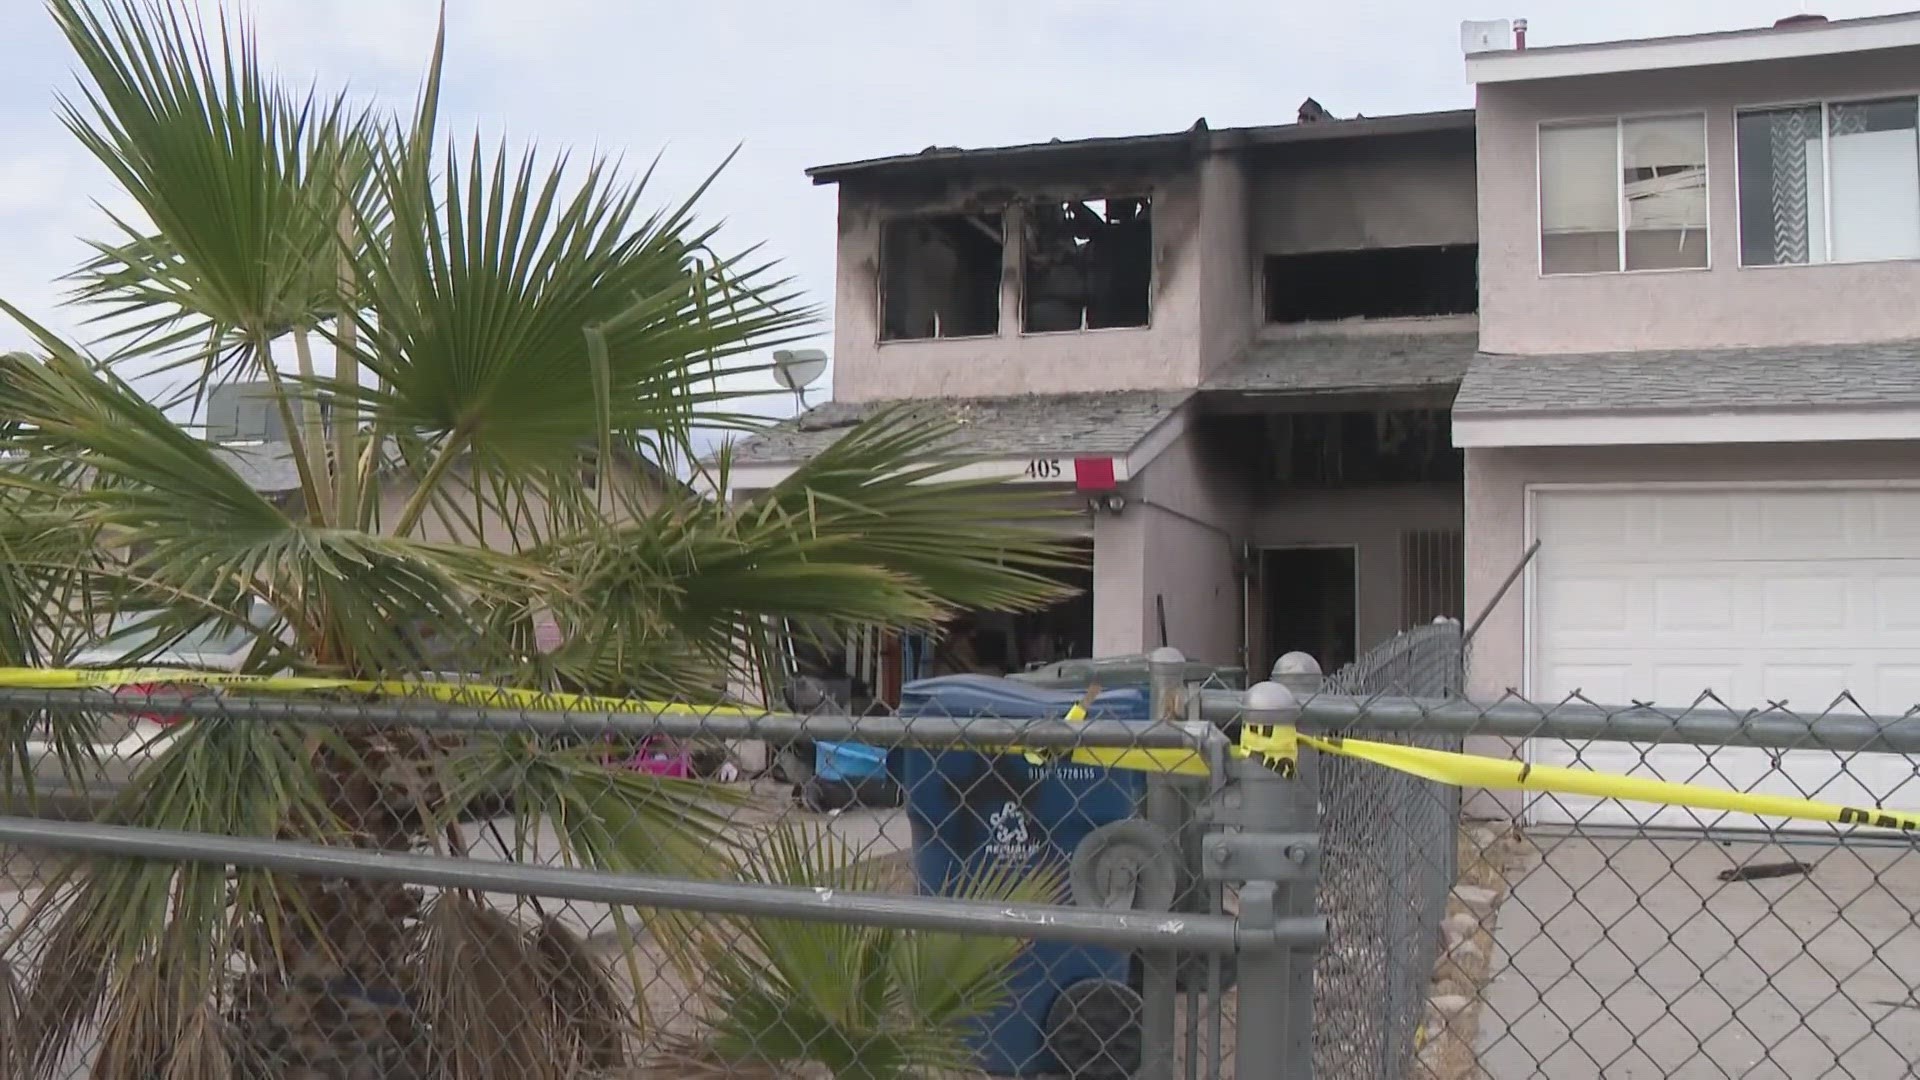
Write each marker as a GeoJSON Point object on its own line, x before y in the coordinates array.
{"type": "Point", "coordinates": [800, 84]}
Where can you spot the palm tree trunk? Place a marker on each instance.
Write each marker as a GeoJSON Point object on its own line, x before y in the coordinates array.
{"type": "Point", "coordinates": [313, 433]}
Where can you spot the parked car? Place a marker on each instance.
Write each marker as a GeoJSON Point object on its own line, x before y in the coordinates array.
{"type": "Point", "coordinates": [122, 740]}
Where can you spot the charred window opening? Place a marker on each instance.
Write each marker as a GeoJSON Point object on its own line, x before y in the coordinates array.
{"type": "Point", "coordinates": [1343, 448]}
{"type": "Point", "coordinates": [1382, 283]}
{"type": "Point", "coordinates": [940, 276]}
{"type": "Point", "coordinates": [1088, 264]}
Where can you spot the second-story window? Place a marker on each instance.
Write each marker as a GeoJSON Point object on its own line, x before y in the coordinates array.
{"type": "Point", "coordinates": [1088, 264]}
{"type": "Point", "coordinates": [1627, 194]}
{"type": "Point", "coordinates": [940, 276]}
{"type": "Point", "coordinates": [1838, 182]}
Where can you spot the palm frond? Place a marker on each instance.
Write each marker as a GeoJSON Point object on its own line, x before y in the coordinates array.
{"type": "Point", "coordinates": [9, 1016]}
{"type": "Point", "coordinates": [873, 531]}
{"type": "Point", "coordinates": [71, 973]}
{"type": "Point", "coordinates": [528, 311]}
{"type": "Point", "coordinates": [206, 533]}
{"type": "Point", "coordinates": [865, 1003]}
{"type": "Point", "coordinates": [585, 1002]}
{"type": "Point", "coordinates": [241, 179]}
{"type": "Point", "coordinates": [479, 974]}
{"type": "Point", "coordinates": [145, 945]}
{"type": "Point", "coordinates": [886, 491]}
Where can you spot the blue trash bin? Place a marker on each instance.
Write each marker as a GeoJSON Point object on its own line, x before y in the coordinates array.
{"type": "Point", "coordinates": [970, 810]}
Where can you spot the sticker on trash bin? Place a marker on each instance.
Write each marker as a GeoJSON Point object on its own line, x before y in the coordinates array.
{"type": "Point", "coordinates": [1012, 840]}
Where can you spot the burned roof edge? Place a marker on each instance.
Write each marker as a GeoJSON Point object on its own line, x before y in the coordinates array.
{"type": "Point", "coordinates": [1199, 137]}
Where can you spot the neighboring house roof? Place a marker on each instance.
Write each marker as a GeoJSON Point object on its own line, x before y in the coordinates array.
{"type": "Point", "coordinates": [267, 467]}
{"type": "Point", "coordinates": [1146, 147]}
{"type": "Point", "coordinates": [1358, 363]}
{"type": "Point", "coordinates": [1802, 377]}
{"type": "Point", "coordinates": [1032, 425]}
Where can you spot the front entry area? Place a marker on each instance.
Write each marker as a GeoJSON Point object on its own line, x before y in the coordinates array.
{"type": "Point", "coordinates": [1312, 602]}
{"type": "Point", "coordinates": [1755, 594]}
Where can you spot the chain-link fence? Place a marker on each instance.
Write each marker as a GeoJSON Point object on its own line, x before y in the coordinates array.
{"type": "Point", "coordinates": [1390, 842]}
{"type": "Point", "coordinates": [334, 885]}
{"type": "Point", "coordinates": [1594, 936]}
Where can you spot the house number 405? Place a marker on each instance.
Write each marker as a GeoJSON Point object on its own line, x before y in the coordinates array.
{"type": "Point", "coordinates": [1044, 469]}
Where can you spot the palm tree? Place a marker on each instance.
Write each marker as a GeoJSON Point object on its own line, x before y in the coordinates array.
{"type": "Point", "coordinates": [501, 327]}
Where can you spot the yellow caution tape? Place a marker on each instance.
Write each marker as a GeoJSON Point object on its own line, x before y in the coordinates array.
{"type": "Point", "coordinates": [442, 692]}
{"type": "Point", "coordinates": [1275, 746]}
{"type": "Point", "coordinates": [1468, 770]}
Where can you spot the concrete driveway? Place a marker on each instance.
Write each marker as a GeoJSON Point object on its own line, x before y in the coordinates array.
{"type": "Point", "coordinates": [1630, 958]}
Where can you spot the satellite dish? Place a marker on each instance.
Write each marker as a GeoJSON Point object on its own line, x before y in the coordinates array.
{"type": "Point", "coordinates": [797, 369]}
{"type": "Point", "coordinates": [1486, 35]}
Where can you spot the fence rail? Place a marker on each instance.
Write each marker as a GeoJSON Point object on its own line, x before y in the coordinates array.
{"type": "Point", "coordinates": [380, 888]}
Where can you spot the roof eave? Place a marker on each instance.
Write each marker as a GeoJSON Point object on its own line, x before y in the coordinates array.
{"type": "Point", "coordinates": [1835, 38]}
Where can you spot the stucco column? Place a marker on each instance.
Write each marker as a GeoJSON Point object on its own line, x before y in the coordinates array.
{"type": "Point", "coordinates": [1120, 601]}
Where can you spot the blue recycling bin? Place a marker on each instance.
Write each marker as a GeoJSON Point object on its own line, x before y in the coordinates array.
{"type": "Point", "coordinates": [846, 762]}
{"type": "Point", "coordinates": [970, 810]}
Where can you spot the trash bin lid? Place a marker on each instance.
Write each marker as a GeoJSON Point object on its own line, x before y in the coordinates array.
{"type": "Point", "coordinates": [1007, 699]}
{"type": "Point", "coordinates": [1128, 670]}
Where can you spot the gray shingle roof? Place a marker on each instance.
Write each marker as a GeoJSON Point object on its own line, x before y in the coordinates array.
{"type": "Point", "coordinates": [1040, 425]}
{"type": "Point", "coordinates": [1807, 376]}
{"type": "Point", "coordinates": [266, 467]}
{"type": "Point", "coordinates": [1357, 362]}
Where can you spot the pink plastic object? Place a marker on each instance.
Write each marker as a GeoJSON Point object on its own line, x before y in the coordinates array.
{"type": "Point", "coordinates": [659, 757]}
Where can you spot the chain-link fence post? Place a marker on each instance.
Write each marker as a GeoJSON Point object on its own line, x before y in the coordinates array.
{"type": "Point", "coordinates": [1159, 982]}
{"type": "Point", "coordinates": [1275, 856]}
{"type": "Point", "coordinates": [1300, 673]}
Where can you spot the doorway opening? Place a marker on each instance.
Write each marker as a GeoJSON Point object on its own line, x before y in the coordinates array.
{"type": "Point", "coordinates": [1001, 643]}
{"type": "Point", "coordinates": [1312, 601]}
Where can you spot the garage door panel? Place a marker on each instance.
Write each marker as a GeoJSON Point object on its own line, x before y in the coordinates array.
{"type": "Point", "coordinates": [1598, 682]}
{"type": "Point", "coordinates": [1685, 604]}
{"type": "Point", "coordinates": [1897, 601]}
{"type": "Point", "coordinates": [1808, 688]}
{"type": "Point", "coordinates": [1895, 516]}
{"type": "Point", "coordinates": [1792, 519]}
{"type": "Point", "coordinates": [1802, 603]}
{"type": "Point", "coordinates": [1687, 523]}
{"type": "Point", "coordinates": [1867, 604]}
{"type": "Point", "coordinates": [1897, 682]}
{"type": "Point", "coordinates": [1679, 685]}
{"type": "Point", "coordinates": [1754, 596]}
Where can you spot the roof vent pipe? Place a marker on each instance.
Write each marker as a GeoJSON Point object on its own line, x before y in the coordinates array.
{"type": "Point", "coordinates": [1519, 33]}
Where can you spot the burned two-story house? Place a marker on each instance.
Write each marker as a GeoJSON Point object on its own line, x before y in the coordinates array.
{"type": "Point", "coordinates": [1231, 352]}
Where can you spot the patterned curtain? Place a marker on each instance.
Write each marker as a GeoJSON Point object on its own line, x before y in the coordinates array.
{"type": "Point", "coordinates": [1792, 130]}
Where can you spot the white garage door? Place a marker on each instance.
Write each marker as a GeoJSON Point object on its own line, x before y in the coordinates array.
{"type": "Point", "coordinates": [1756, 595]}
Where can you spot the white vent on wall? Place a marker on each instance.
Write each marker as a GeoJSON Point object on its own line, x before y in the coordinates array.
{"type": "Point", "coordinates": [1485, 35]}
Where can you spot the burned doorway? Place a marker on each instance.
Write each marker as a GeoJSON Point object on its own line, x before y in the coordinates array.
{"type": "Point", "coordinates": [1312, 601]}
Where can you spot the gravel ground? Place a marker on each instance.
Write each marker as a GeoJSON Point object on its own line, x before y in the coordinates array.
{"type": "Point", "coordinates": [1489, 857]}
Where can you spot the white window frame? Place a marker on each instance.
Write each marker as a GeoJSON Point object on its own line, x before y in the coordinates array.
{"type": "Point", "coordinates": [880, 338]}
{"type": "Point", "coordinates": [1619, 123]}
{"type": "Point", "coordinates": [1825, 105]}
{"type": "Point", "coordinates": [1153, 264]}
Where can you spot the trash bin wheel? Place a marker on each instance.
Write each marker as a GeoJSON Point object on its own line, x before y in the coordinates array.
{"type": "Point", "coordinates": [1093, 1029]}
{"type": "Point", "coordinates": [1128, 865]}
